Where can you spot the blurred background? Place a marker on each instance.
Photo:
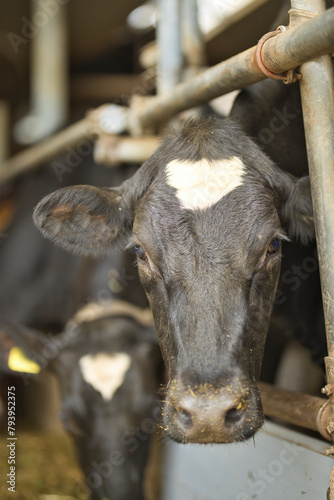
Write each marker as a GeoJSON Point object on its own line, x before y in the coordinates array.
{"type": "Point", "coordinates": [58, 60]}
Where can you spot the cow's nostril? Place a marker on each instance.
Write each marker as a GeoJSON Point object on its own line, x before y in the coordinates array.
{"type": "Point", "coordinates": [233, 417]}
{"type": "Point", "coordinates": [185, 419]}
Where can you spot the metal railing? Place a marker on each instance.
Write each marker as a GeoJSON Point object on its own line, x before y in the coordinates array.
{"type": "Point", "coordinates": [281, 53]}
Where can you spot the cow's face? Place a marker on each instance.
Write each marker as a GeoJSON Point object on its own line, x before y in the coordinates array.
{"type": "Point", "coordinates": [206, 215]}
{"type": "Point", "coordinates": [210, 276]}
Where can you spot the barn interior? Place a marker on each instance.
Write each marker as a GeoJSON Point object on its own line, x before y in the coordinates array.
{"type": "Point", "coordinates": [63, 62]}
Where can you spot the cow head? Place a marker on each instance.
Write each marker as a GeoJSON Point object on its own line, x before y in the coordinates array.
{"type": "Point", "coordinates": [108, 371]}
{"type": "Point", "coordinates": [205, 215]}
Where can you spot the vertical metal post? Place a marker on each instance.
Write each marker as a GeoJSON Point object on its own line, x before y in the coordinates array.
{"type": "Point", "coordinates": [317, 93]}
{"type": "Point", "coordinates": [169, 45]}
{"type": "Point", "coordinates": [192, 39]}
{"type": "Point", "coordinates": [49, 73]}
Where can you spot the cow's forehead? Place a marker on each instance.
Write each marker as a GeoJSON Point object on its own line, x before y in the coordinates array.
{"type": "Point", "coordinates": [244, 214]}
{"type": "Point", "coordinates": [208, 183]}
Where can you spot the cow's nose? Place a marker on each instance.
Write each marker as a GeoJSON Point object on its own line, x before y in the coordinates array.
{"type": "Point", "coordinates": [221, 416]}
{"type": "Point", "coordinates": [200, 418]}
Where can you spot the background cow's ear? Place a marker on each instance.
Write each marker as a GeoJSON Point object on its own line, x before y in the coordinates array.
{"type": "Point", "coordinates": [296, 211]}
{"type": "Point", "coordinates": [20, 349]}
{"type": "Point", "coordinates": [84, 220]}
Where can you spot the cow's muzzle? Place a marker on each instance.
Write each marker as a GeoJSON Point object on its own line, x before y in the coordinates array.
{"type": "Point", "coordinates": [205, 414]}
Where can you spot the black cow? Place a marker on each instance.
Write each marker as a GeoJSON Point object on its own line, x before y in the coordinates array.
{"type": "Point", "coordinates": [108, 365]}
{"type": "Point", "coordinates": [206, 216]}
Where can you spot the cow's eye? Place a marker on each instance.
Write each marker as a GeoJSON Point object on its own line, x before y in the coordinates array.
{"type": "Point", "coordinates": [141, 254]}
{"type": "Point", "coordinates": [273, 247]}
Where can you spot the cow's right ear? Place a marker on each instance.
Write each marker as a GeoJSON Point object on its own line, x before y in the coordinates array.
{"type": "Point", "coordinates": [84, 219]}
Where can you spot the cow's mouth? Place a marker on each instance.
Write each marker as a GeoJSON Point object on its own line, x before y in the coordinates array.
{"type": "Point", "coordinates": [204, 414]}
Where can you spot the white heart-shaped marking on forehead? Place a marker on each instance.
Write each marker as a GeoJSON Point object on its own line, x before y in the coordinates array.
{"type": "Point", "coordinates": [201, 184]}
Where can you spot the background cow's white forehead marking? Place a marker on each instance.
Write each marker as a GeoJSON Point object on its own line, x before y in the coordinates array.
{"type": "Point", "coordinates": [202, 183]}
{"type": "Point", "coordinates": [105, 372]}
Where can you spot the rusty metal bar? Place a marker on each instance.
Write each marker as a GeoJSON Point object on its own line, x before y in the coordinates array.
{"type": "Point", "coordinates": [300, 42]}
{"type": "Point", "coordinates": [309, 412]}
{"type": "Point", "coordinates": [281, 53]}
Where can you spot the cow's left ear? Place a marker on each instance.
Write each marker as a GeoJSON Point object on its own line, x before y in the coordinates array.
{"type": "Point", "coordinates": [87, 220]}
{"type": "Point", "coordinates": [296, 210]}
{"type": "Point", "coordinates": [84, 220]}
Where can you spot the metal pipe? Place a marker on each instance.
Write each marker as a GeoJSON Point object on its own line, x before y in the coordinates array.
{"type": "Point", "coordinates": [317, 93]}
{"type": "Point", "coordinates": [109, 150]}
{"type": "Point", "coordinates": [234, 73]}
{"type": "Point", "coordinates": [49, 74]}
{"type": "Point", "coordinates": [31, 158]}
{"type": "Point", "coordinates": [303, 410]}
{"type": "Point", "coordinates": [238, 71]}
{"type": "Point", "coordinates": [169, 45]}
{"type": "Point", "coordinates": [149, 54]}
{"type": "Point", "coordinates": [301, 42]}
{"type": "Point", "coordinates": [113, 150]}
{"type": "Point", "coordinates": [192, 39]}
{"type": "Point", "coordinates": [281, 53]}
{"type": "Point", "coordinates": [106, 119]}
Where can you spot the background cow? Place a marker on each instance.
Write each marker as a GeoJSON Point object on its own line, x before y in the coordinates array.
{"type": "Point", "coordinates": [108, 365]}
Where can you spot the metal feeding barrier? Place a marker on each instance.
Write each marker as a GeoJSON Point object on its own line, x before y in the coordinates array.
{"type": "Point", "coordinates": [292, 47]}
{"type": "Point", "coordinates": [307, 43]}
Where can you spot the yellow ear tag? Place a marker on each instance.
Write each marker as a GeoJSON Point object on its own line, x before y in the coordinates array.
{"type": "Point", "coordinates": [18, 362]}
